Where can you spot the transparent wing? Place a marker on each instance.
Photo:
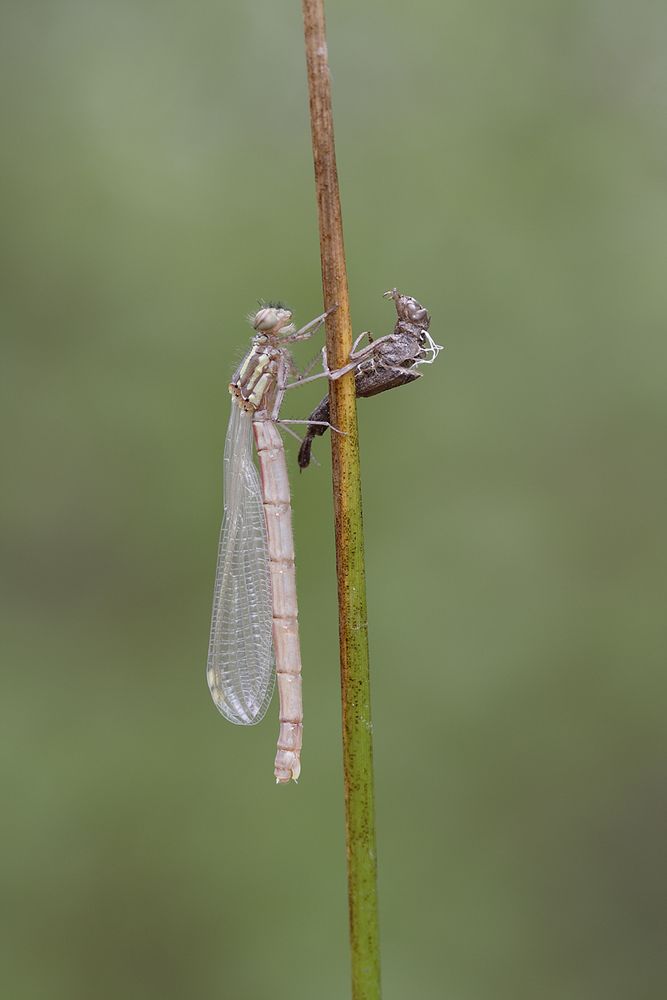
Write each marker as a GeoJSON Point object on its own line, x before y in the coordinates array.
{"type": "Point", "coordinates": [240, 669]}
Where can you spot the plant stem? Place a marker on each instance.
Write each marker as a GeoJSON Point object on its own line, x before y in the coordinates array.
{"type": "Point", "coordinates": [353, 626]}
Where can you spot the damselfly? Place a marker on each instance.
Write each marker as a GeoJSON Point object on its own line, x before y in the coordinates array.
{"type": "Point", "coordinates": [255, 615]}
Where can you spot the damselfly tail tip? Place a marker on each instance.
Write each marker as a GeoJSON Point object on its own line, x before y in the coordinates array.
{"type": "Point", "coordinates": [288, 767]}
{"type": "Point", "coordinates": [286, 780]}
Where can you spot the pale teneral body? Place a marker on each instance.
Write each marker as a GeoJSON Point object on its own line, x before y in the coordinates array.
{"type": "Point", "coordinates": [255, 615]}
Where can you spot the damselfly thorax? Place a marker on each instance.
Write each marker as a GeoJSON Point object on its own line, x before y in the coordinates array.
{"type": "Point", "coordinates": [255, 384]}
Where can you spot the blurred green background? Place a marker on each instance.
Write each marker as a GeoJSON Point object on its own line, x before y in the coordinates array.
{"type": "Point", "coordinates": [506, 164]}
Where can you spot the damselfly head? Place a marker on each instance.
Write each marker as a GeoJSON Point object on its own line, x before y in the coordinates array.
{"type": "Point", "coordinates": [271, 319]}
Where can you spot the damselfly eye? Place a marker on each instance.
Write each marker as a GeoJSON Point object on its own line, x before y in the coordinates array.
{"type": "Point", "coordinates": [271, 319]}
{"type": "Point", "coordinates": [264, 319]}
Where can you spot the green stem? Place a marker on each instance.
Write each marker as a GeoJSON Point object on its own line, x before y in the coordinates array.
{"type": "Point", "coordinates": [353, 626]}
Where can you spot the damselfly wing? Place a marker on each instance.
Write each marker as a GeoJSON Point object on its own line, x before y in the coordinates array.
{"type": "Point", "coordinates": [240, 668]}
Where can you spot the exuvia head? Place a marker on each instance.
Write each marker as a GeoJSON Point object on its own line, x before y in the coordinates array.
{"type": "Point", "coordinates": [272, 319]}
{"type": "Point", "coordinates": [409, 309]}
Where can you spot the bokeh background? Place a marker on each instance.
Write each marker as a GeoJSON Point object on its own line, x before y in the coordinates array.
{"type": "Point", "coordinates": [506, 164]}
